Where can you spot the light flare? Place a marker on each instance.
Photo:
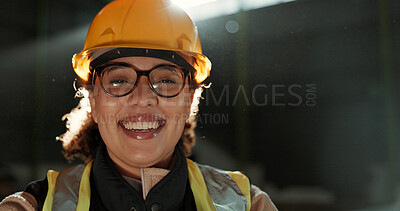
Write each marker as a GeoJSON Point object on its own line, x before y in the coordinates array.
{"type": "Point", "coordinates": [81, 64]}
{"type": "Point", "coordinates": [76, 119]}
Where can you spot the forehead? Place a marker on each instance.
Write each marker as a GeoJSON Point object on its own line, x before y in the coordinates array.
{"type": "Point", "coordinates": [143, 62]}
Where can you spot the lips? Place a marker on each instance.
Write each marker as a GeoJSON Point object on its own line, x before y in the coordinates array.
{"type": "Point", "coordinates": [142, 126]}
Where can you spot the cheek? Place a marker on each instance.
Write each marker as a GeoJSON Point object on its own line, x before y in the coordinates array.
{"type": "Point", "coordinates": [177, 108]}
{"type": "Point", "coordinates": [105, 108]}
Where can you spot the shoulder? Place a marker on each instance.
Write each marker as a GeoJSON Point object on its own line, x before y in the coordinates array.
{"type": "Point", "coordinates": [35, 193]}
{"type": "Point", "coordinates": [212, 171]}
{"type": "Point", "coordinates": [19, 201]}
{"type": "Point", "coordinates": [31, 199]}
{"type": "Point", "coordinates": [260, 200]}
{"type": "Point", "coordinates": [220, 176]}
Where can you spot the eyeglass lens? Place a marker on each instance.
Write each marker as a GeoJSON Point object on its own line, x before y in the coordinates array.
{"type": "Point", "coordinates": [119, 80]}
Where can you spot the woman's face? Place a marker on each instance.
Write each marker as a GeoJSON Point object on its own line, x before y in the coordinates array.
{"type": "Point", "coordinates": [142, 128]}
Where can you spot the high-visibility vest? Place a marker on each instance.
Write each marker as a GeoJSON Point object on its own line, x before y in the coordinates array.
{"type": "Point", "coordinates": [213, 189]}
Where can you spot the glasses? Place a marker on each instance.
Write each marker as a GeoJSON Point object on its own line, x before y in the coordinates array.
{"type": "Point", "coordinates": [120, 79]}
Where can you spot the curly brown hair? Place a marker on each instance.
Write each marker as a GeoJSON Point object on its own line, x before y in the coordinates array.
{"type": "Point", "coordinates": [82, 136]}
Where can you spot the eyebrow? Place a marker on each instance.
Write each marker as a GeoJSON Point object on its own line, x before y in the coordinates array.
{"type": "Point", "coordinates": [115, 61]}
{"type": "Point", "coordinates": [140, 69]}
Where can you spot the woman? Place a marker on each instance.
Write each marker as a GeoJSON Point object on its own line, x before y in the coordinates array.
{"type": "Point", "coordinates": [141, 72]}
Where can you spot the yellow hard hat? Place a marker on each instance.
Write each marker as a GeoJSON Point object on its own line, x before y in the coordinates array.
{"type": "Point", "coordinates": [142, 24]}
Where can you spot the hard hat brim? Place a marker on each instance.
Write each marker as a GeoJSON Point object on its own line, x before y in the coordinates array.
{"type": "Point", "coordinates": [81, 61]}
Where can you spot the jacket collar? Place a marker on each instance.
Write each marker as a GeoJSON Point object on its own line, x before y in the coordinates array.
{"type": "Point", "coordinates": [117, 194]}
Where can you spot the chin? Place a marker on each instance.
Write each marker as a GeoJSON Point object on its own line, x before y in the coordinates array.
{"type": "Point", "coordinates": [143, 156]}
{"type": "Point", "coordinates": [142, 160]}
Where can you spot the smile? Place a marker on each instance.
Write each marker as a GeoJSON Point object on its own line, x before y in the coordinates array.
{"type": "Point", "coordinates": [142, 126]}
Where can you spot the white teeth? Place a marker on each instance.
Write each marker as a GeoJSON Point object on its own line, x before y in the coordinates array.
{"type": "Point", "coordinates": [141, 125]}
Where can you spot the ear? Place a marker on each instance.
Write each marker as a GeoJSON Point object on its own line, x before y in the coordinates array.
{"type": "Point", "coordinates": [92, 105]}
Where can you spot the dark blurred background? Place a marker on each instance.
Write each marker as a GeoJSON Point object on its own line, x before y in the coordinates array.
{"type": "Point", "coordinates": [304, 96]}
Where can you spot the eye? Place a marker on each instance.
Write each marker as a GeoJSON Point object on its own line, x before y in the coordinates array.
{"type": "Point", "coordinates": [118, 79]}
{"type": "Point", "coordinates": [166, 75]}
{"type": "Point", "coordinates": [167, 81]}
{"type": "Point", "coordinates": [118, 82]}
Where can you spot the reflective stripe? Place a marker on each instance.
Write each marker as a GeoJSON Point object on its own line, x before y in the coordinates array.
{"type": "Point", "coordinates": [224, 191]}
{"type": "Point", "coordinates": [84, 189]}
{"type": "Point", "coordinates": [66, 191]}
{"type": "Point", "coordinates": [213, 189]}
{"type": "Point", "coordinates": [51, 179]}
{"type": "Point", "coordinates": [199, 188]}
{"type": "Point", "coordinates": [244, 184]}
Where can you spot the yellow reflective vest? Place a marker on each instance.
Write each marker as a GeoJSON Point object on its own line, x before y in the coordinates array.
{"type": "Point", "coordinates": [213, 189]}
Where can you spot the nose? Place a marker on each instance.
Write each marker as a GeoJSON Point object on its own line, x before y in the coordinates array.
{"type": "Point", "coordinates": [142, 95]}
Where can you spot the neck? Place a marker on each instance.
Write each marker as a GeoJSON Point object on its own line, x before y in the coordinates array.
{"type": "Point", "coordinates": [134, 171]}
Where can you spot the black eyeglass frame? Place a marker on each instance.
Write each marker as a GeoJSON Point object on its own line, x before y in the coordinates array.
{"type": "Point", "coordinates": [100, 70]}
